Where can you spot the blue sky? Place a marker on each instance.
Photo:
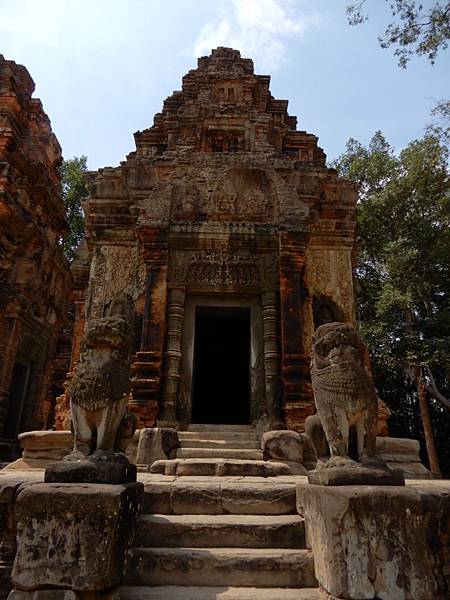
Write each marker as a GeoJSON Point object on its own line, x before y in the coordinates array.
{"type": "Point", "coordinates": [103, 67]}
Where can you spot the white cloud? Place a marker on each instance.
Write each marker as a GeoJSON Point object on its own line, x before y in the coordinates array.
{"type": "Point", "coordinates": [258, 28]}
{"type": "Point", "coordinates": [32, 22]}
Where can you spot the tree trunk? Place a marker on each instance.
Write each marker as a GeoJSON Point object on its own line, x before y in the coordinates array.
{"type": "Point", "coordinates": [426, 421]}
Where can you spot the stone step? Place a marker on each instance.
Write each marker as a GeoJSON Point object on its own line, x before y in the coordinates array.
{"type": "Point", "coordinates": [172, 592]}
{"type": "Point", "coordinates": [221, 444]}
{"type": "Point", "coordinates": [231, 531]}
{"type": "Point", "coordinates": [245, 567]}
{"type": "Point", "coordinates": [219, 467]}
{"type": "Point", "coordinates": [226, 428]}
{"type": "Point", "coordinates": [233, 453]}
{"type": "Point", "coordinates": [212, 498]}
{"type": "Point", "coordinates": [219, 435]}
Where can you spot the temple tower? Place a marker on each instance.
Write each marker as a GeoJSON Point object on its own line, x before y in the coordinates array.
{"type": "Point", "coordinates": [35, 281]}
{"type": "Point", "coordinates": [234, 240]}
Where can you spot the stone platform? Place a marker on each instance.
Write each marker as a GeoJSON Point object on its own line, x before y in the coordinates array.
{"type": "Point", "coordinates": [211, 444]}
{"type": "Point", "coordinates": [219, 467]}
{"type": "Point", "coordinates": [192, 526]}
{"type": "Point", "coordinates": [379, 541]}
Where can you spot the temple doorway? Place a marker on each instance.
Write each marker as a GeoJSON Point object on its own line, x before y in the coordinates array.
{"type": "Point", "coordinates": [221, 375]}
{"type": "Point", "coordinates": [17, 394]}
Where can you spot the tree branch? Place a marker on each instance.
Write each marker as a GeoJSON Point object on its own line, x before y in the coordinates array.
{"type": "Point", "coordinates": [433, 390]}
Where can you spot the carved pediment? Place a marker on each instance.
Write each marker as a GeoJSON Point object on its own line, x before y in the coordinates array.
{"type": "Point", "coordinates": [240, 195]}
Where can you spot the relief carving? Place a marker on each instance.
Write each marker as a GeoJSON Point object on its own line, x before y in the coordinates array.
{"type": "Point", "coordinates": [344, 271]}
{"type": "Point", "coordinates": [210, 269]}
{"type": "Point", "coordinates": [124, 271]}
{"type": "Point", "coordinates": [329, 272]}
{"type": "Point", "coordinates": [240, 194]}
{"type": "Point", "coordinates": [270, 270]}
{"type": "Point", "coordinates": [96, 295]}
{"type": "Point", "coordinates": [116, 269]}
{"type": "Point", "coordinates": [225, 201]}
{"type": "Point", "coordinates": [187, 199]}
{"type": "Point", "coordinates": [178, 264]}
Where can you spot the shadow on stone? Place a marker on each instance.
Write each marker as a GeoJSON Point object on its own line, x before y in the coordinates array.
{"type": "Point", "coordinates": [88, 471]}
{"type": "Point", "coordinates": [356, 475]}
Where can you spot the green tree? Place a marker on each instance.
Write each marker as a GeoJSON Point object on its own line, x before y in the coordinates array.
{"type": "Point", "coordinates": [403, 273]}
{"type": "Point", "coordinates": [74, 190]}
{"type": "Point", "coordinates": [416, 29]}
{"type": "Point", "coordinates": [440, 122]}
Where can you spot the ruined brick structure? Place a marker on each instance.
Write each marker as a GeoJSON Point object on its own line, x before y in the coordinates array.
{"type": "Point", "coordinates": [234, 240]}
{"type": "Point", "coordinates": [35, 280]}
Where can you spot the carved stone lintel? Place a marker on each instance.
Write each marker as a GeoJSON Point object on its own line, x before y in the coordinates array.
{"type": "Point", "coordinates": [207, 270]}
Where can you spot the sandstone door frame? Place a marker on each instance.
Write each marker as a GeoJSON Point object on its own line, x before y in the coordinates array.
{"type": "Point", "coordinates": [185, 389]}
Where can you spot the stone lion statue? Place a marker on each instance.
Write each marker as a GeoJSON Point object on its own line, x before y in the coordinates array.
{"type": "Point", "coordinates": [346, 400]}
{"type": "Point", "coordinates": [98, 391]}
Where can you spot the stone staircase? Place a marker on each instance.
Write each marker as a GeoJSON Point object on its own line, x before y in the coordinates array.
{"type": "Point", "coordinates": [239, 442]}
{"type": "Point", "coordinates": [219, 450]}
{"type": "Point", "coordinates": [219, 539]}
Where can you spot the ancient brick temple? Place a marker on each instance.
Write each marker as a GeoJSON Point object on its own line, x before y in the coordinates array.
{"type": "Point", "coordinates": [35, 280]}
{"type": "Point", "coordinates": [234, 240]}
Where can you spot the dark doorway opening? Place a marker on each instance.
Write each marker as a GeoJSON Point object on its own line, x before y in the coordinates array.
{"type": "Point", "coordinates": [221, 378]}
{"type": "Point", "coordinates": [17, 393]}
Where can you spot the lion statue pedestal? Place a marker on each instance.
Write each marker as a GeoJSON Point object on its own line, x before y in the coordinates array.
{"type": "Point", "coordinates": [98, 394]}
{"type": "Point", "coordinates": [343, 431]}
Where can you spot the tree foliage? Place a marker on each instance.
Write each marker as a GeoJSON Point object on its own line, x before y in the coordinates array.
{"type": "Point", "coordinates": [74, 190]}
{"type": "Point", "coordinates": [415, 29]}
{"type": "Point", "coordinates": [403, 270]}
{"type": "Point", "coordinates": [440, 122]}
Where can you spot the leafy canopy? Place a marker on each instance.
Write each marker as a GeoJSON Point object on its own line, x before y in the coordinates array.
{"type": "Point", "coordinates": [403, 269]}
{"type": "Point", "coordinates": [440, 123]}
{"type": "Point", "coordinates": [415, 29]}
{"type": "Point", "coordinates": [74, 190]}
{"type": "Point", "coordinates": [403, 273]}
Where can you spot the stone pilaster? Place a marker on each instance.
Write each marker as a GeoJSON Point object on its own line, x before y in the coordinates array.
{"type": "Point", "coordinates": [148, 363]}
{"type": "Point", "coordinates": [270, 315]}
{"type": "Point", "coordinates": [175, 315]}
{"type": "Point", "coordinates": [297, 398]}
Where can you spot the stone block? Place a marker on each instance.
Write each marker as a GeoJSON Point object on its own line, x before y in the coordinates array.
{"type": "Point", "coordinates": [132, 447]}
{"type": "Point", "coordinates": [309, 454]}
{"type": "Point", "coordinates": [89, 471]}
{"type": "Point", "coordinates": [252, 567]}
{"type": "Point", "coordinates": [402, 454]}
{"type": "Point", "coordinates": [393, 445]}
{"type": "Point", "coordinates": [356, 474]}
{"type": "Point", "coordinates": [258, 499]}
{"type": "Point", "coordinates": [45, 445]}
{"type": "Point", "coordinates": [44, 595]}
{"type": "Point", "coordinates": [379, 542]}
{"type": "Point", "coordinates": [155, 444]}
{"type": "Point", "coordinates": [195, 499]}
{"type": "Point", "coordinates": [157, 498]}
{"type": "Point", "coordinates": [282, 445]}
{"type": "Point", "coordinates": [39, 448]}
{"type": "Point", "coordinates": [411, 470]}
{"type": "Point", "coordinates": [74, 536]}
{"type": "Point", "coordinates": [10, 485]}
